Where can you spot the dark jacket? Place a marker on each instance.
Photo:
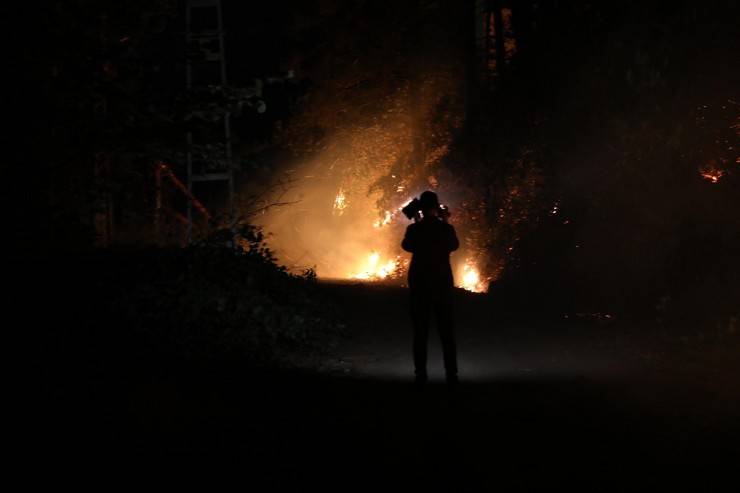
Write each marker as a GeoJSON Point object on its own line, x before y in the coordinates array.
{"type": "Point", "coordinates": [430, 240]}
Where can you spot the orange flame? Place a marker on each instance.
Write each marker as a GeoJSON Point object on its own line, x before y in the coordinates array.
{"type": "Point", "coordinates": [471, 278]}
{"type": "Point", "coordinates": [340, 202]}
{"type": "Point", "coordinates": [375, 270]}
{"type": "Point", "coordinates": [711, 173]}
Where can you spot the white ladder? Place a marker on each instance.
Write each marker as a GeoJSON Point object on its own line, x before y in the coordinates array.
{"type": "Point", "coordinates": [205, 48]}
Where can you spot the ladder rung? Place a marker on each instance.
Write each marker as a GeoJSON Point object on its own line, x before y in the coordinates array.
{"type": "Point", "coordinates": [203, 3]}
{"type": "Point", "coordinates": [211, 177]}
{"type": "Point", "coordinates": [205, 59]}
{"type": "Point", "coordinates": [205, 34]}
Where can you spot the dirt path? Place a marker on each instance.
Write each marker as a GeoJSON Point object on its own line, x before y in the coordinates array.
{"type": "Point", "coordinates": [379, 343]}
{"type": "Point", "coordinates": [543, 402]}
{"type": "Point", "coordinates": [539, 407]}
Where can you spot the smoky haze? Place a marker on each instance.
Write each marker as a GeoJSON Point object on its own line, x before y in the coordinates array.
{"type": "Point", "coordinates": [327, 226]}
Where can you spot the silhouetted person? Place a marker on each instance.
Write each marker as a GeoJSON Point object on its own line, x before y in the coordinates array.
{"type": "Point", "coordinates": [430, 240]}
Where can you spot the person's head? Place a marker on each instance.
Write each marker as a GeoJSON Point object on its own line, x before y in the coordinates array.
{"type": "Point", "coordinates": [429, 204]}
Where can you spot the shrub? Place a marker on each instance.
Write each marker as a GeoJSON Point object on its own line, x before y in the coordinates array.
{"type": "Point", "coordinates": [219, 299]}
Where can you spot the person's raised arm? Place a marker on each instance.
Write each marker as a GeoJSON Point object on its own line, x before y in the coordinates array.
{"type": "Point", "coordinates": [409, 243]}
{"type": "Point", "coordinates": [452, 242]}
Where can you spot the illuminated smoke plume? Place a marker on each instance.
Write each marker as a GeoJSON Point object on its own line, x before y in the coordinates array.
{"type": "Point", "coordinates": [343, 215]}
{"type": "Point", "coordinates": [376, 129]}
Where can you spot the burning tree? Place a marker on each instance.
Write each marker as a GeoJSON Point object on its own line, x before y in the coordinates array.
{"type": "Point", "coordinates": [374, 131]}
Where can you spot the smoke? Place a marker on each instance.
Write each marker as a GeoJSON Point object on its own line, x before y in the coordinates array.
{"type": "Point", "coordinates": [373, 131]}
{"type": "Point", "coordinates": [330, 220]}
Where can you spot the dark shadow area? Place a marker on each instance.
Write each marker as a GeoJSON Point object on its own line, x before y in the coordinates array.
{"type": "Point", "coordinates": [587, 151]}
{"type": "Point", "coordinates": [521, 422]}
{"type": "Point", "coordinates": [285, 429]}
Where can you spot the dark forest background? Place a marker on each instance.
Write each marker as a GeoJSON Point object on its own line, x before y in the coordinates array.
{"type": "Point", "coordinates": [582, 155]}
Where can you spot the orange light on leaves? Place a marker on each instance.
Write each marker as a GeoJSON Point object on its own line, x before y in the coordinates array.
{"type": "Point", "coordinates": [711, 173]}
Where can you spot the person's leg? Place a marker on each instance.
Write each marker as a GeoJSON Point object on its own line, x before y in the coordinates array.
{"type": "Point", "coordinates": [446, 328]}
{"type": "Point", "coordinates": [420, 314]}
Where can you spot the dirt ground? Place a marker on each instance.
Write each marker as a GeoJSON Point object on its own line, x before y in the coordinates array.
{"type": "Point", "coordinates": [541, 405]}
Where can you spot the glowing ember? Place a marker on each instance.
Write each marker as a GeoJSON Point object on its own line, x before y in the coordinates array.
{"type": "Point", "coordinates": [711, 173]}
{"type": "Point", "coordinates": [471, 279]}
{"type": "Point", "coordinates": [375, 269]}
{"type": "Point", "coordinates": [387, 218]}
{"type": "Point", "coordinates": [340, 202]}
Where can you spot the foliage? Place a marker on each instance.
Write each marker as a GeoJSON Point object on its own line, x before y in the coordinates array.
{"type": "Point", "coordinates": [593, 160]}
{"type": "Point", "coordinates": [213, 301]}
{"type": "Point", "coordinates": [381, 116]}
{"type": "Point", "coordinates": [110, 79]}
